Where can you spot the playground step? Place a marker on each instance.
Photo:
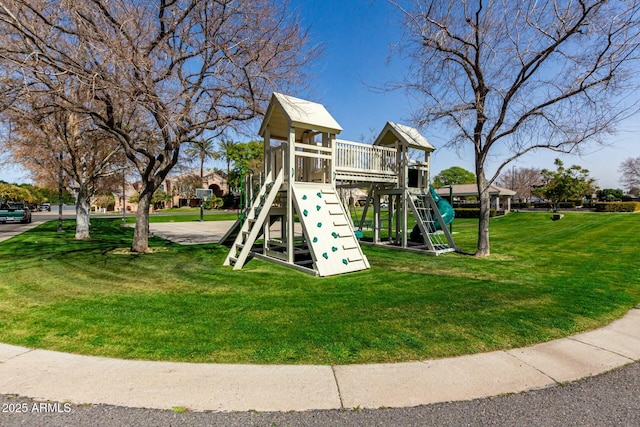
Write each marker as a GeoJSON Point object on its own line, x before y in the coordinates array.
{"type": "Point", "coordinates": [243, 245]}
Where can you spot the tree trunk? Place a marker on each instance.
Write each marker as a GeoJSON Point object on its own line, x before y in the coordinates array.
{"type": "Point", "coordinates": [483, 248]}
{"type": "Point", "coordinates": [82, 213]}
{"type": "Point", "coordinates": [202, 170]}
{"type": "Point", "coordinates": [141, 233]}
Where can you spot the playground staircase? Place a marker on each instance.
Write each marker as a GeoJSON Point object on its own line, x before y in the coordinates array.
{"type": "Point", "coordinates": [327, 229]}
{"type": "Point", "coordinates": [433, 230]}
{"type": "Point", "coordinates": [252, 226]}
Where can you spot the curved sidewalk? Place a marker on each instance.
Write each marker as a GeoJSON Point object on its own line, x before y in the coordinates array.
{"type": "Point", "coordinates": [63, 377]}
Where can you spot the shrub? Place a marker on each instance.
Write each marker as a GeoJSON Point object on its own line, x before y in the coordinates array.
{"type": "Point", "coordinates": [231, 201]}
{"type": "Point", "coordinates": [472, 213]}
{"type": "Point", "coordinates": [542, 205]}
{"type": "Point", "coordinates": [566, 205]}
{"type": "Point", "coordinates": [466, 205]}
{"type": "Point", "coordinates": [617, 207]}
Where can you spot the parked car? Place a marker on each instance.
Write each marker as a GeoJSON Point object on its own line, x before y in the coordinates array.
{"type": "Point", "coordinates": [45, 207]}
{"type": "Point", "coordinates": [14, 212]}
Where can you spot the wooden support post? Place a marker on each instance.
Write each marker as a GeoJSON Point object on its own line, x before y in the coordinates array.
{"type": "Point", "coordinates": [376, 214]}
{"type": "Point", "coordinates": [291, 174]}
{"type": "Point", "coordinates": [329, 141]}
{"type": "Point", "coordinates": [267, 150]}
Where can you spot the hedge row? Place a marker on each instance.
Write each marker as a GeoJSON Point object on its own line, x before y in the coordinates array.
{"type": "Point", "coordinates": [618, 207]}
{"type": "Point", "coordinates": [457, 205]}
{"type": "Point", "coordinates": [546, 205]}
{"type": "Point", "coordinates": [472, 213]}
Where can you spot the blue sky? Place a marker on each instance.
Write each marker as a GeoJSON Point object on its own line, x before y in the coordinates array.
{"type": "Point", "coordinates": [357, 35]}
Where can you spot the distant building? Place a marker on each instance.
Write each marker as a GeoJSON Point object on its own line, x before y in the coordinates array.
{"type": "Point", "coordinates": [211, 179]}
{"type": "Point", "coordinates": [500, 197]}
{"type": "Point", "coordinates": [130, 190]}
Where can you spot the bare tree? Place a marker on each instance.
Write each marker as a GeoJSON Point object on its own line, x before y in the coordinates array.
{"type": "Point", "coordinates": [509, 77]}
{"type": "Point", "coordinates": [161, 73]}
{"type": "Point", "coordinates": [520, 180]}
{"type": "Point", "coordinates": [630, 170]}
{"type": "Point", "coordinates": [48, 138]}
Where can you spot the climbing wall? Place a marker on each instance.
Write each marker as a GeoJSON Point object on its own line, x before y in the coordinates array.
{"type": "Point", "coordinates": [327, 229]}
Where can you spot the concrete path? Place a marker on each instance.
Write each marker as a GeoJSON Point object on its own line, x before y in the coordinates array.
{"type": "Point", "coordinates": [62, 377]}
{"type": "Point", "coordinates": [191, 233]}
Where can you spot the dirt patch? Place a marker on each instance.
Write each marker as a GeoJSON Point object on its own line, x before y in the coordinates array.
{"type": "Point", "coordinates": [127, 251]}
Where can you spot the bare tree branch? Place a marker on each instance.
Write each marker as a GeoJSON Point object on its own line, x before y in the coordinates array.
{"type": "Point", "coordinates": [158, 73]}
{"type": "Point", "coordinates": [515, 77]}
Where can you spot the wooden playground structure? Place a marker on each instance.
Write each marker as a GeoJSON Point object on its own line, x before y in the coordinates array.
{"type": "Point", "coordinates": [298, 210]}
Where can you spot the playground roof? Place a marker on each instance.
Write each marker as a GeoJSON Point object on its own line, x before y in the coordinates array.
{"type": "Point", "coordinates": [406, 135]}
{"type": "Point", "coordinates": [286, 111]}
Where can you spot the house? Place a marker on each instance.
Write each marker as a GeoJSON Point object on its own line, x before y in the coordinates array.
{"type": "Point", "coordinates": [130, 191]}
{"type": "Point", "coordinates": [211, 179]}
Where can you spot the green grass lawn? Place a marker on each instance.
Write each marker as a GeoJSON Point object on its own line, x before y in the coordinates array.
{"type": "Point", "coordinates": [186, 215]}
{"type": "Point", "coordinates": [544, 280]}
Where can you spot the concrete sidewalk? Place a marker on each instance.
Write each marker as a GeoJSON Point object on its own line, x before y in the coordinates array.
{"type": "Point", "coordinates": [192, 232]}
{"type": "Point", "coordinates": [62, 377]}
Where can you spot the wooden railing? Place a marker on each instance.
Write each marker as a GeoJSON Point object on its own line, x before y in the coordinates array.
{"type": "Point", "coordinates": [356, 157]}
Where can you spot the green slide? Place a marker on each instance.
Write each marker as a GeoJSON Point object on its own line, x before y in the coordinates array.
{"type": "Point", "coordinates": [446, 210]}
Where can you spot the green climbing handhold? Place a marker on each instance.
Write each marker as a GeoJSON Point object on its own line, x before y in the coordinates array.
{"type": "Point", "coordinates": [319, 194]}
{"type": "Point", "coordinates": [318, 207]}
{"type": "Point", "coordinates": [304, 197]}
{"type": "Point", "coordinates": [315, 240]}
{"type": "Point", "coordinates": [325, 255]}
{"type": "Point", "coordinates": [305, 212]}
{"type": "Point", "coordinates": [333, 248]}
{"type": "Point", "coordinates": [319, 224]}
{"type": "Point", "coordinates": [335, 235]}
{"type": "Point", "coordinates": [345, 261]}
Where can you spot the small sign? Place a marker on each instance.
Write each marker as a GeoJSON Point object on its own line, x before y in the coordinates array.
{"type": "Point", "coordinates": [204, 193]}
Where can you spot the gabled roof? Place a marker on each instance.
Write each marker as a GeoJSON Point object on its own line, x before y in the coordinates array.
{"type": "Point", "coordinates": [286, 111]}
{"type": "Point", "coordinates": [409, 136]}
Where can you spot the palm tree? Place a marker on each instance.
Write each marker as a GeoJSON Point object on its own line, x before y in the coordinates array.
{"type": "Point", "coordinates": [203, 149]}
{"type": "Point", "coordinates": [225, 151]}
